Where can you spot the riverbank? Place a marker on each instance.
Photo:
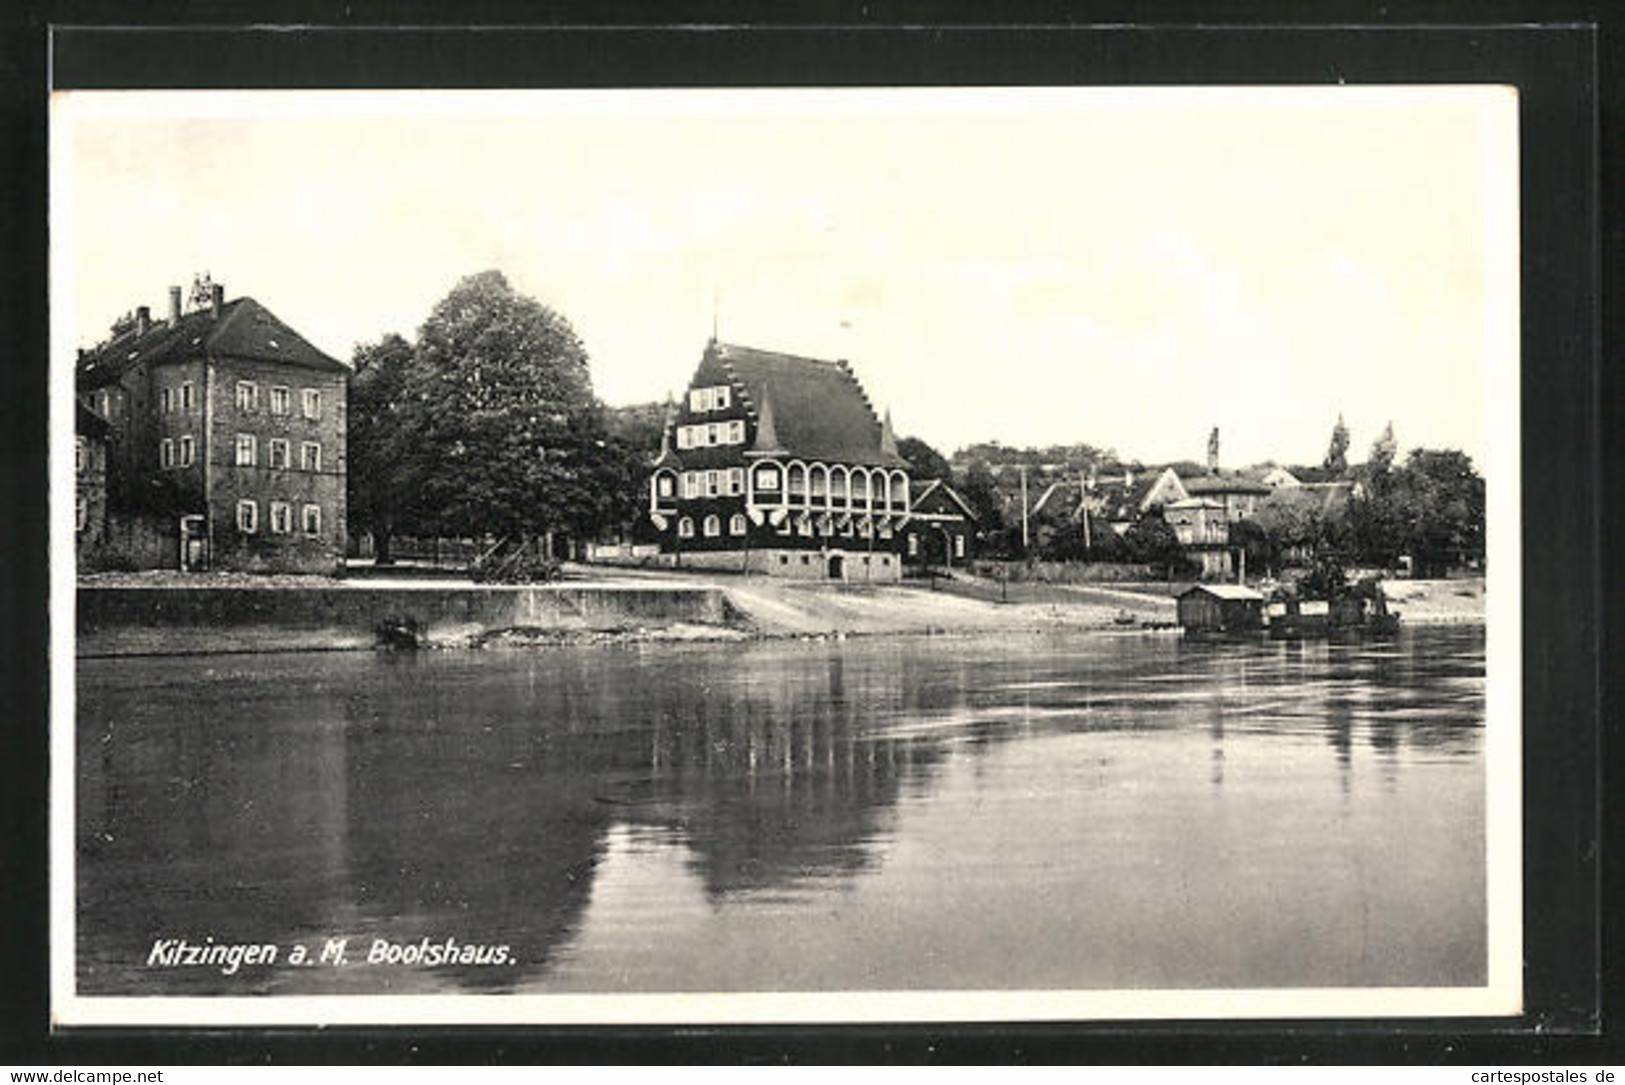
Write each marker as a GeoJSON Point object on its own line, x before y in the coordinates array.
{"type": "Point", "coordinates": [167, 615]}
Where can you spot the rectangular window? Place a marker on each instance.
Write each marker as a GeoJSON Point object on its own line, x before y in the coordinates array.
{"type": "Point", "coordinates": [312, 517]}
{"type": "Point", "coordinates": [166, 453]}
{"type": "Point", "coordinates": [713, 484]}
{"type": "Point", "coordinates": [279, 453]}
{"type": "Point", "coordinates": [699, 399]}
{"type": "Point", "coordinates": [166, 400]}
{"type": "Point", "coordinates": [248, 517]}
{"type": "Point", "coordinates": [736, 481]}
{"type": "Point", "coordinates": [682, 437]}
{"type": "Point", "coordinates": [310, 456]}
{"type": "Point", "coordinates": [719, 397]}
{"type": "Point", "coordinates": [736, 432]}
{"type": "Point", "coordinates": [247, 450]}
{"type": "Point", "coordinates": [79, 454]}
{"type": "Point", "coordinates": [281, 518]}
{"type": "Point", "coordinates": [248, 396]}
{"type": "Point", "coordinates": [713, 434]}
{"type": "Point", "coordinates": [186, 396]}
{"type": "Point", "coordinates": [913, 545]}
{"type": "Point", "coordinates": [959, 546]}
{"type": "Point", "coordinates": [767, 478]}
{"type": "Point", "coordinates": [312, 403]}
{"type": "Point", "coordinates": [663, 486]}
{"type": "Point", "coordinates": [281, 401]}
{"type": "Point", "coordinates": [188, 451]}
{"type": "Point", "coordinates": [81, 515]}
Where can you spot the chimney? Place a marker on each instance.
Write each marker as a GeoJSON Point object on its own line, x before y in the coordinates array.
{"type": "Point", "coordinates": [143, 320]}
{"type": "Point", "coordinates": [217, 298]}
{"type": "Point", "coordinates": [174, 306]}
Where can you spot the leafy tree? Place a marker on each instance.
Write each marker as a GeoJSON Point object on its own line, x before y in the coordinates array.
{"type": "Point", "coordinates": [1263, 551]}
{"type": "Point", "coordinates": [380, 472]}
{"type": "Point", "coordinates": [1337, 454]}
{"type": "Point", "coordinates": [1151, 541]}
{"type": "Point", "coordinates": [639, 425]}
{"type": "Point", "coordinates": [1383, 450]}
{"type": "Point", "coordinates": [981, 492]}
{"type": "Point", "coordinates": [926, 462]}
{"type": "Point", "coordinates": [496, 430]}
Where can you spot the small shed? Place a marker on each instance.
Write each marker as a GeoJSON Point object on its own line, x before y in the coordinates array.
{"type": "Point", "coordinates": [1220, 608]}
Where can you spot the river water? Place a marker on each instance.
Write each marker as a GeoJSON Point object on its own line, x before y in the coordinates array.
{"type": "Point", "coordinates": [1036, 811]}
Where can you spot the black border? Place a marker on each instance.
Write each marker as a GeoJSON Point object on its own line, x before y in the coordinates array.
{"type": "Point", "coordinates": [1563, 468]}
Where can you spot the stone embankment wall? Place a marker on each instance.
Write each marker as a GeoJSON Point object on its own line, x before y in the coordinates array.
{"type": "Point", "coordinates": [136, 621]}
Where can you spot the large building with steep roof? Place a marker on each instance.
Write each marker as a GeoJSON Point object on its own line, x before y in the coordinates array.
{"type": "Point", "coordinates": [226, 438]}
{"type": "Point", "coordinates": [777, 463]}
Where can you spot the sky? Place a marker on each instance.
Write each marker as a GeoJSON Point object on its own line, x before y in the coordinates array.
{"type": "Point", "coordinates": [1034, 266]}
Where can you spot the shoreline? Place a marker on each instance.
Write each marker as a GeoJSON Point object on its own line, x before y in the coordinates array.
{"type": "Point", "coordinates": [215, 619]}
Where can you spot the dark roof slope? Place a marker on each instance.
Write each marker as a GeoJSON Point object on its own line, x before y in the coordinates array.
{"type": "Point", "coordinates": [245, 329]}
{"type": "Point", "coordinates": [1223, 484]}
{"type": "Point", "coordinates": [819, 409]}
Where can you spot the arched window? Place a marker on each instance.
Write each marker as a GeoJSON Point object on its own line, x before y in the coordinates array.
{"type": "Point", "coordinates": [685, 528]}
{"type": "Point", "coordinates": [736, 524]}
{"type": "Point", "coordinates": [860, 486]}
{"type": "Point", "coordinates": [839, 481]}
{"type": "Point", "coordinates": [798, 480]}
{"type": "Point", "coordinates": [899, 490]}
{"type": "Point", "coordinates": [713, 526]}
{"type": "Point", "coordinates": [820, 481]}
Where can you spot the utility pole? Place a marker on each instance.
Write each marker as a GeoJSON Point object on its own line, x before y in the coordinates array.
{"type": "Point", "coordinates": [1083, 509]}
{"type": "Point", "coordinates": [1024, 542]}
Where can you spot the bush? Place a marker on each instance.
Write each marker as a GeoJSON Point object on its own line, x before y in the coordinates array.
{"type": "Point", "coordinates": [523, 567]}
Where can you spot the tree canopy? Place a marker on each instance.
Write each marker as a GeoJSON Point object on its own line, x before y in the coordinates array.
{"type": "Point", "coordinates": [926, 462]}
{"type": "Point", "coordinates": [487, 425]}
{"type": "Point", "coordinates": [1337, 453]}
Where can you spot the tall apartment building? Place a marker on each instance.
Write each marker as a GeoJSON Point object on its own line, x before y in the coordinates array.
{"type": "Point", "coordinates": [226, 439]}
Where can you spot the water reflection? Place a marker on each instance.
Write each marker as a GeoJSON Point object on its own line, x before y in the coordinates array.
{"type": "Point", "coordinates": [931, 812]}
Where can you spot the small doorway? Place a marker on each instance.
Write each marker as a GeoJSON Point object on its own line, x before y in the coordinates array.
{"type": "Point", "coordinates": [837, 567]}
{"type": "Point", "coordinates": [194, 545]}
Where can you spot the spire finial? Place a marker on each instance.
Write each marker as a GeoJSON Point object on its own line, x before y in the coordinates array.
{"type": "Point", "coordinates": [716, 305]}
{"type": "Point", "coordinates": [888, 439]}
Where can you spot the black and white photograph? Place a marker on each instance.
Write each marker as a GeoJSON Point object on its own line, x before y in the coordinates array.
{"type": "Point", "coordinates": [785, 554]}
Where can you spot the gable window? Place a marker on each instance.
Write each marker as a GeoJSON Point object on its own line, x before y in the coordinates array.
{"type": "Point", "coordinates": [248, 517]}
{"type": "Point", "coordinates": [311, 516]}
{"type": "Point", "coordinates": [736, 524]}
{"type": "Point", "coordinates": [913, 545]}
{"type": "Point", "coordinates": [281, 400]}
{"type": "Point", "coordinates": [247, 449]}
{"type": "Point", "coordinates": [188, 450]}
{"type": "Point", "coordinates": [312, 403]}
{"type": "Point", "coordinates": [186, 395]}
{"type": "Point", "coordinates": [166, 453]}
{"type": "Point", "coordinates": [713, 526]}
{"type": "Point", "coordinates": [281, 518]}
{"type": "Point", "coordinates": [959, 546]}
{"type": "Point", "coordinates": [685, 528]}
{"type": "Point", "coordinates": [248, 396]}
{"type": "Point", "coordinates": [310, 456]}
{"type": "Point", "coordinates": [279, 453]}
{"type": "Point", "coordinates": [663, 486]}
{"type": "Point", "coordinates": [767, 478]}
{"type": "Point", "coordinates": [166, 400]}
{"type": "Point", "coordinates": [736, 481]}
{"type": "Point", "coordinates": [709, 399]}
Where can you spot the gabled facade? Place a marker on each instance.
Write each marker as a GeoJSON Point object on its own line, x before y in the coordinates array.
{"type": "Point", "coordinates": [226, 438]}
{"type": "Point", "coordinates": [940, 527]}
{"type": "Point", "coordinates": [777, 463]}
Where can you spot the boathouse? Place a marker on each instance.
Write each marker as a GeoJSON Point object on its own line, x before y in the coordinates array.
{"type": "Point", "coordinates": [1220, 608]}
{"type": "Point", "coordinates": [776, 463]}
